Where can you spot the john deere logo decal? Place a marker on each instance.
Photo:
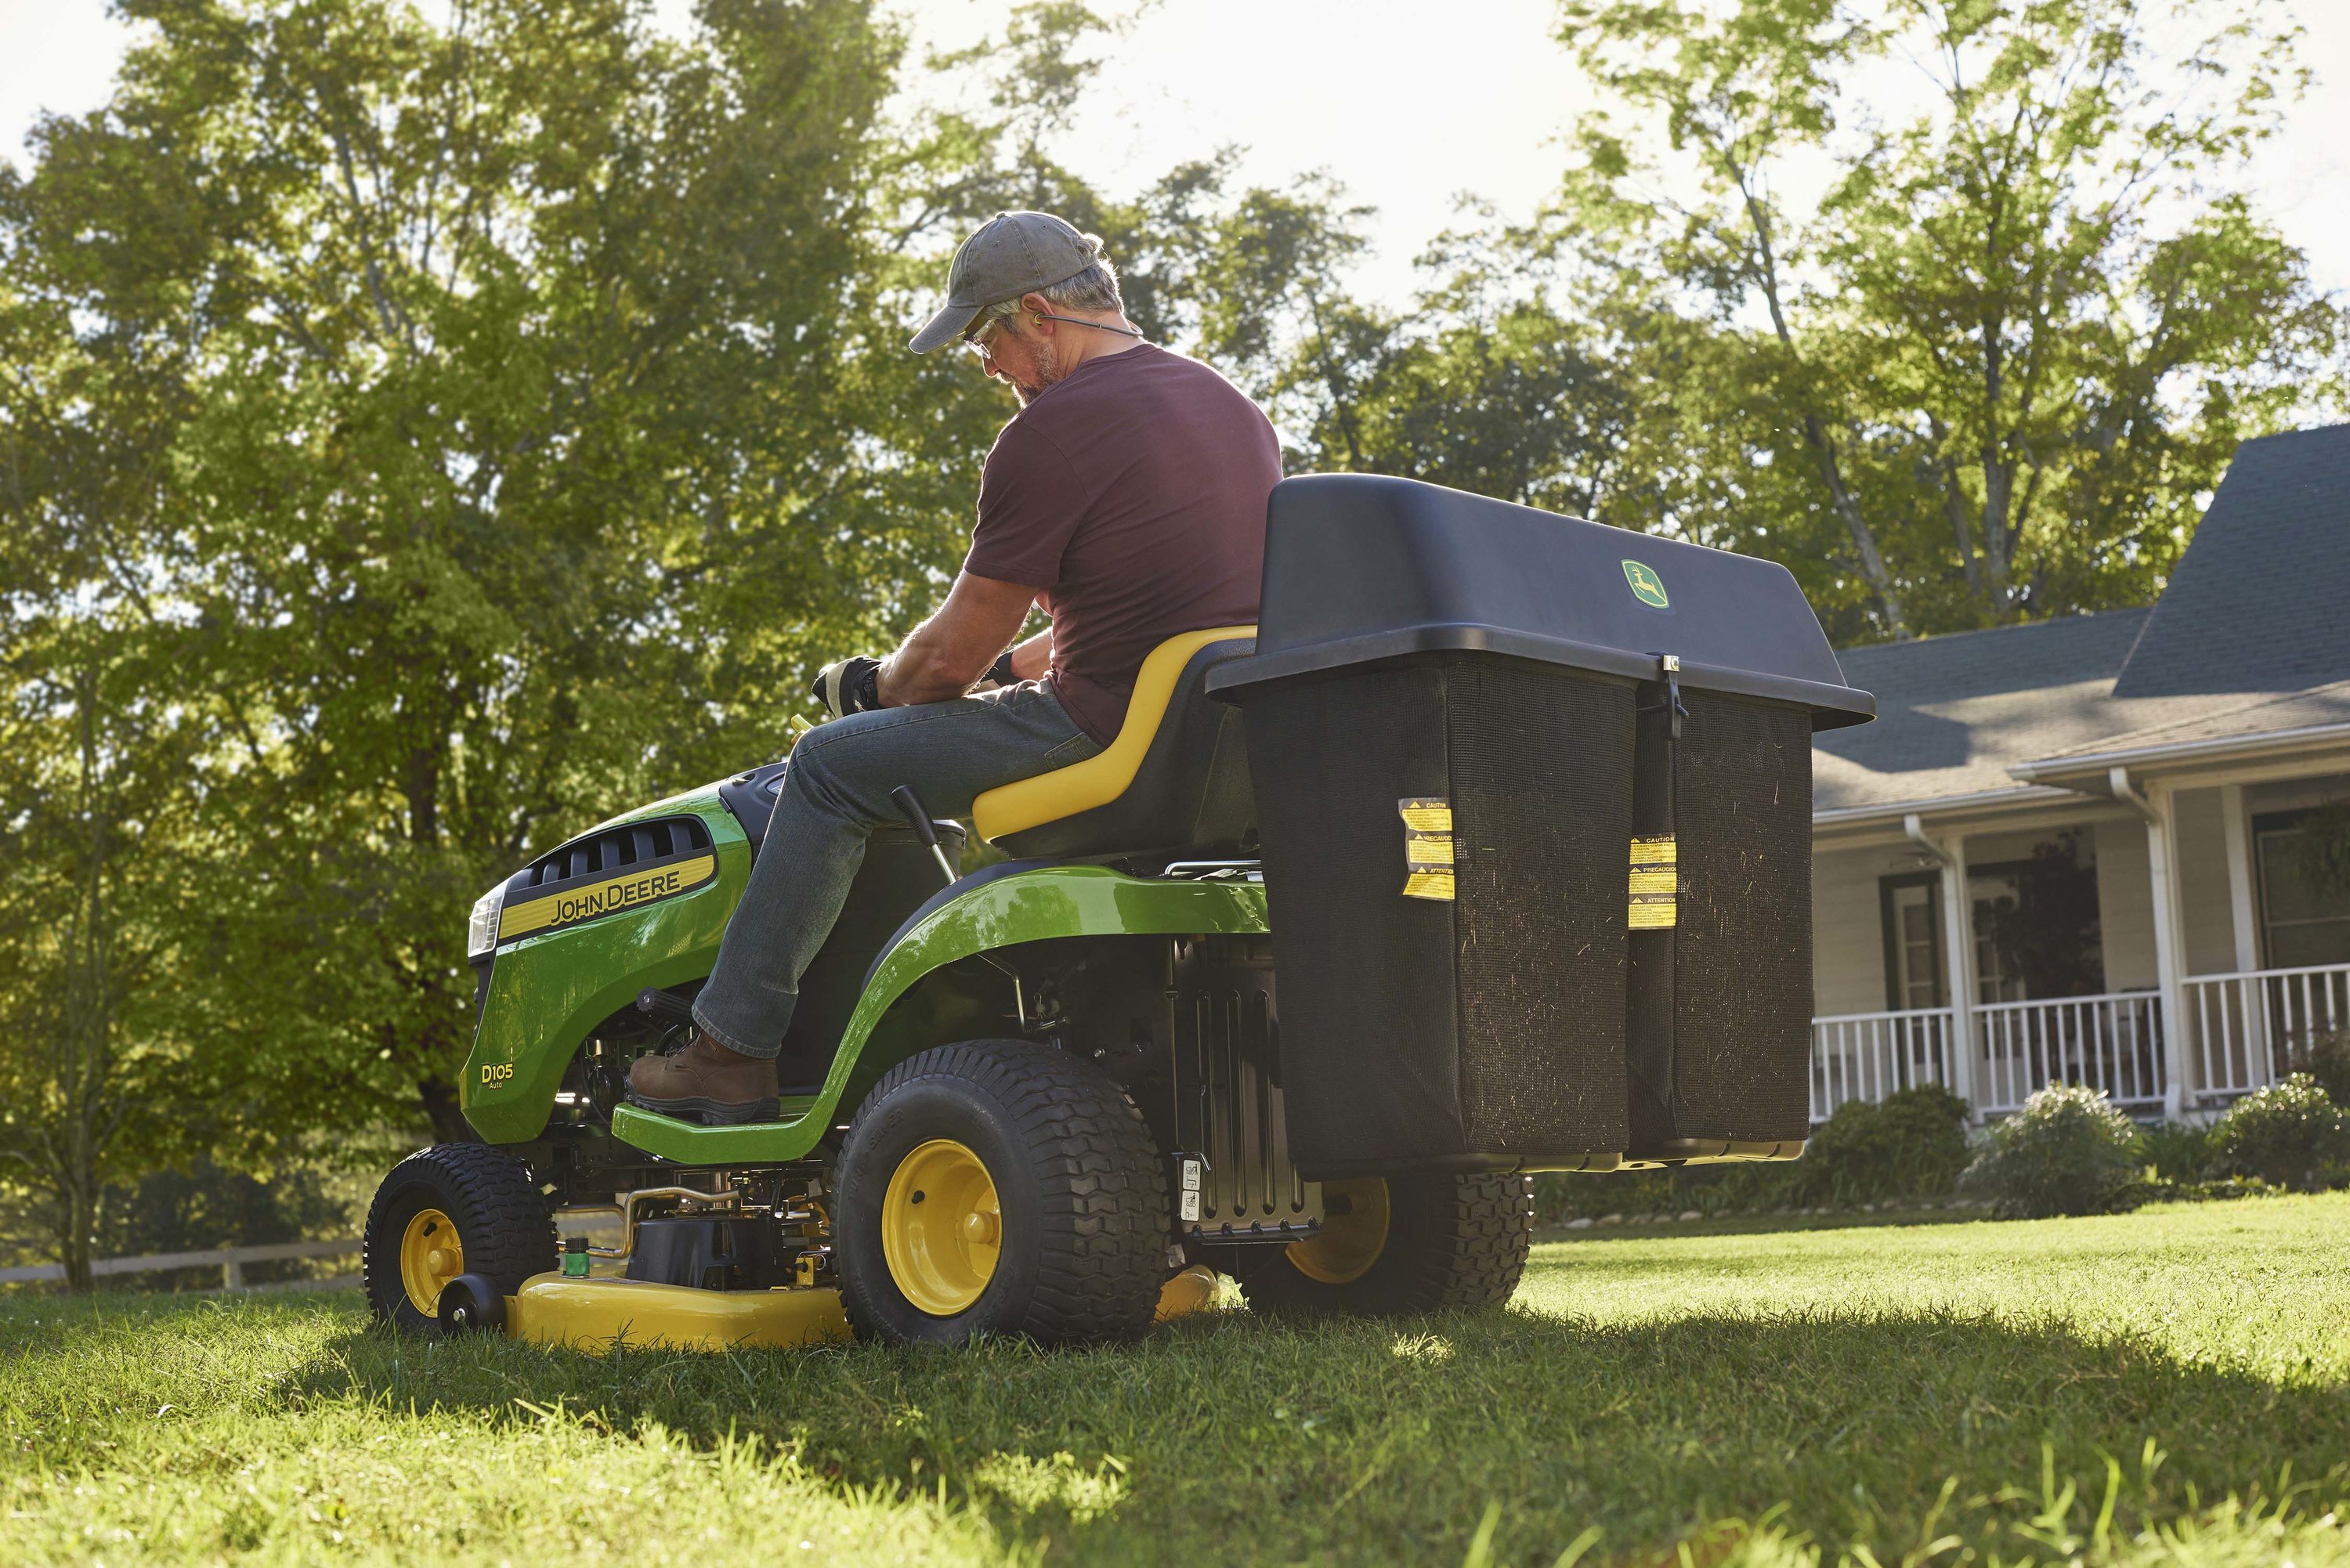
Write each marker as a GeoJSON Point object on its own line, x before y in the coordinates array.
{"type": "Point", "coordinates": [1647, 587]}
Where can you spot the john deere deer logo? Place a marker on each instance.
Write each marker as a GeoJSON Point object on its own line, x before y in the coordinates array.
{"type": "Point", "coordinates": [1647, 587]}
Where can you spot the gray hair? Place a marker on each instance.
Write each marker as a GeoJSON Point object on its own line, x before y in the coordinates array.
{"type": "Point", "coordinates": [1096, 289]}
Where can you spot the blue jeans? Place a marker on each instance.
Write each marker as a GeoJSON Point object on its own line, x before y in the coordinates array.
{"type": "Point", "coordinates": [835, 793]}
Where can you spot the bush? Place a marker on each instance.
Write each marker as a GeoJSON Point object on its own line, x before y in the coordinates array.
{"type": "Point", "coordinates": [1911, 1145]}
{"type": "Point", "coordinates": [2067, 1152]}
{"type": "Point", "coordinates": [2290, 1133]}
{"type": "Point", "coordinates": [2177, 1152]}
{"type": "Point", "coordinates": [2326, 1056]}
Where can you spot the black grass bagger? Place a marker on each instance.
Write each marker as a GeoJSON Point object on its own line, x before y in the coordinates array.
{"type": "Point", "coordinates": [1487, 853]}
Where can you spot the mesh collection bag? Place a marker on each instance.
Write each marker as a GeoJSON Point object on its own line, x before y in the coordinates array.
{"type": "Point", "coordinates": [1438, 1028]}
{"type": "Point", "coordinates": [1535, 803]}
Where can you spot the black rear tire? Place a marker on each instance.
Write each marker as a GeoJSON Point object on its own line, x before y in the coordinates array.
{"type": "Point", "coordinates": [499, 1222]}
{"type": "Point", "coordinates": [1456, 1242]}
{"type": "Point", "coordinates": [1079, 1224]}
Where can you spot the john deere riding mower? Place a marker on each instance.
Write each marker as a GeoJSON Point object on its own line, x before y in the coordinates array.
{"type": "Point", "coordinates": [1487, 853]}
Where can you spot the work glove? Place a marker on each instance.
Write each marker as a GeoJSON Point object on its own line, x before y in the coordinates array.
{"type": "Point", "coordinates": [851, 686]}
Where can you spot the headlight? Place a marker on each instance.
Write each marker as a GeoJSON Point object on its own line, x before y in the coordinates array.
{"type": "Point", "coordinates": [481, 930]}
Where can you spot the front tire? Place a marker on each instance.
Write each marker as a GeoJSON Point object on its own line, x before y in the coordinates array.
{"type": "Point", "coordinates": [1000, 1186]}
{"type": "Point", "coordinates": [1402, 1244]}
{"type": "Point", "coordinates": [455, 1209]}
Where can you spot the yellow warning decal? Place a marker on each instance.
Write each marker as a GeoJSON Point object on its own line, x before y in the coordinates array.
{"type": "Point", "coordinates": [1427, 851]}
{"type": "Point", "coordinates": [1429, 885]}
{"type": "Point", "coordinates": [1654, 885]}
{"type": "Point", "coordinates": [1425, 814]}
{"type": "Point", "coordinates": [623, 892]}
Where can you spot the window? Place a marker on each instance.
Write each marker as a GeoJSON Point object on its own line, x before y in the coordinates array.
{"type": "Point", "coordinates": [2304, 919]}
{"type": "Point", "coordinates": [1911, 909]}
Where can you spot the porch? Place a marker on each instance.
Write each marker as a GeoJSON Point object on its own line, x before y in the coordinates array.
{"type": "Point", "coordinates": [2168, 944]}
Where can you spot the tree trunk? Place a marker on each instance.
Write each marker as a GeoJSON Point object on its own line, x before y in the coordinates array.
{"type": "Point", "coordinates": [436, 1097]}
{"type": "Point", "coordinates": [1815, 432]}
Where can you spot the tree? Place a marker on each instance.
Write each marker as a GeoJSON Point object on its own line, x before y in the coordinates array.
{"type": "Point", "coordinates": [527, 457]}
{"type": "Point", "coordinates": [2013, 343]}
{"type": "Point", "coordinates": [100, 750]}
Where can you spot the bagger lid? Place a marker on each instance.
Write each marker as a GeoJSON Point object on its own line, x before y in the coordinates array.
{"type": "Point", "coordinates": [1362, 569]}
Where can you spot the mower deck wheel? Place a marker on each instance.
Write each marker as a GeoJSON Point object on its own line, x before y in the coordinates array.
{"type": "Point", "coordinates": [1395, 1245]}
{"type": "Point", "coordinates": [454, 1211]}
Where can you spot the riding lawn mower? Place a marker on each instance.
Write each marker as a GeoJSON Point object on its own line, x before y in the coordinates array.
{"type": "Point", "coordinates": [1486, 852]}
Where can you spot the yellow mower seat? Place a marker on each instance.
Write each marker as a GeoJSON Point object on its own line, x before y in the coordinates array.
{"type": "Point", "coordinates": [1175, 779]}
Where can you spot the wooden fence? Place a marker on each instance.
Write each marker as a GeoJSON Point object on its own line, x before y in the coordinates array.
{"type": "Point", "coordinates": [230, 1261]}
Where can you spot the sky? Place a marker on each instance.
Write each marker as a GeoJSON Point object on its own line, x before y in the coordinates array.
{"type": "Point", "coordinates": [1408, 104]}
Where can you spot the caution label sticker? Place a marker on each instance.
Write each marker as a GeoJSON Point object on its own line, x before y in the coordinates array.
{"type": "Point", "coordinates": [1429, 885]}
{"type": "Point", "coordinates": [1425, 814]}
{"type": "Point", "coordinates": [1427, 851]}
{"type": "Point", "coordinates": [1654, 885]}
{"type": "Point", "coordinates": [1427, 846]}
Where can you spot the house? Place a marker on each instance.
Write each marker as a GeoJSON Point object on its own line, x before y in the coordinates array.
{"type": "Point", "coordinates": [2085, 849]}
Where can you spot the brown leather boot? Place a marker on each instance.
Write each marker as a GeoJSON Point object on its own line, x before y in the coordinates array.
{"type": "Point", "coordinates": [703, 1081]}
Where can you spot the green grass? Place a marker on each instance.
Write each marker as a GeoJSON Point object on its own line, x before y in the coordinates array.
{"type": "Point", "coordinates": [2167, 1385]}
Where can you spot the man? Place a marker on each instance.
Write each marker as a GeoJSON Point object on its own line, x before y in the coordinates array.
{"type": "Point", "coordinates": [1126, 500]}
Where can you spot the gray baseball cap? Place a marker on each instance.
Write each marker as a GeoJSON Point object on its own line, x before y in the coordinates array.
{"type": "Point", "coordinates": [1013, 253]}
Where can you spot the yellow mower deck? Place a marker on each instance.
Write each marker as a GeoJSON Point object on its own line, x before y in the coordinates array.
{"type": "Point", "coordinates": [595, 1314]}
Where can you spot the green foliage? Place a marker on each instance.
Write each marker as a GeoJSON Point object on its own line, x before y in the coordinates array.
{"type": "Point", "coordinates": [2067, 1152]}
{"type": "Point", "coordinates": [2176, 1151]}
{"type": "Point", "coordinates": [1909, 1147]}
{"type": "Point", "coordinates": [2291, 1133]}
{"type": "Point", "coordinates": [2124, 1391]}
{"type": "Point", "coordinates": [2325, 1054]}
{"type": "Point", "coordinates": [1913, 1144]}
{"type": "Point", "coordinates": [1990, 371]}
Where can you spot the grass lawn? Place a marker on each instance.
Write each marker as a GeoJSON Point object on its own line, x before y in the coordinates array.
{"type": "Point", "coordinates": [2167, 1385]}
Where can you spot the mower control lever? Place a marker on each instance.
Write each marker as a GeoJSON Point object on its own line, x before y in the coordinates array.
{"type": "Point", "coordinates": [909, 807]}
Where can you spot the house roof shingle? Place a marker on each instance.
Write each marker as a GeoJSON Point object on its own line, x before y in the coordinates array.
{"type": "Point", "coordinates": [2256, 604]}
{"type": "Point", "coordinates": [2251, 637]}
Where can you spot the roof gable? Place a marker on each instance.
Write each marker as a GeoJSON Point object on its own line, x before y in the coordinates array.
{"type": "Point", "coordinates": [2258, 602]}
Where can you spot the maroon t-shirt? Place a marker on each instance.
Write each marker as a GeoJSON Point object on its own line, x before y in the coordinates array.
{"type": "Point", "coordinates": [1132, 492]}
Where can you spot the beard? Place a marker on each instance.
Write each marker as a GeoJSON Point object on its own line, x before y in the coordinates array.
{"type": "Point", "coordinates": [1047, 371]}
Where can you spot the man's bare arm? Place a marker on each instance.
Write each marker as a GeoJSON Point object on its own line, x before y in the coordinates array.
{"type": "Point", "coordinates": [944, 655]}
{"type": "Point", "coordinates": [1030, 659]}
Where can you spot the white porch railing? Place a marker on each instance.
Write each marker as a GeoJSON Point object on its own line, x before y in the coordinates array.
{"type": "Point", "coordinates": [1868, 1055]}
{"type": "Point", "coordinates": [2112, 1042]}
{"type": "Point", "coordinates": [2244, 1030]}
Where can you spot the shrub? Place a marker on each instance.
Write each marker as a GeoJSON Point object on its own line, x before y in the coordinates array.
{"type": "Point", "coordinates": [2290, 1133]}
{"type": "Point", "coordinates": [2326, 1056]}
{"type": "Point", "coordinates": [2067, 1152]}
{"type": "Point", "coordinates": [2178, 1152]}
{"type": "Point", "coordinates": [1911, 1145]}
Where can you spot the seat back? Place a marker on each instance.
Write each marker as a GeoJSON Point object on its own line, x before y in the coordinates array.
{"type": "Point", "coordinates": [1175, 780]}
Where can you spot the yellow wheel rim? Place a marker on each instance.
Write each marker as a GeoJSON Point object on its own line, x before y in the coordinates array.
{"type": "Point", "coordinates": [941, 1228]}
{"type": "Point", "coordinates": [431, 1255]}
{"type": "Point", "coordinates": [1348, 1243]}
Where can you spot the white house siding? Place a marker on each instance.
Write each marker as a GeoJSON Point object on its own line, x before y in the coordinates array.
{"type": "Point", "coordinates": [2125, 905]}
{"type": "Point", "coordinates": [2208, 928]}
{"type": "Point", "coordinates": [1847, 930]}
